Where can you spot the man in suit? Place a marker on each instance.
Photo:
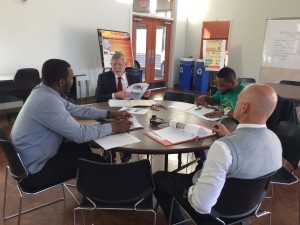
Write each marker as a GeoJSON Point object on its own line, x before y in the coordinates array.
{"type": "Point", "coordinates": [108, 86]}
{"type": "Point", "coordinates": [112, 85]}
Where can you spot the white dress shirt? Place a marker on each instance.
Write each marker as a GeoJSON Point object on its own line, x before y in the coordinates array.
{"type": "Point", "coordinates": [124, 83]}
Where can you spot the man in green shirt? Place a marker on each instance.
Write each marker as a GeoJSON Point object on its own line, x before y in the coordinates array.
{"type": "Point", "coordinates": [226, 96]}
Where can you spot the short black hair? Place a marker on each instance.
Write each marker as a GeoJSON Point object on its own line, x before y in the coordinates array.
{"type": "Point", "coordinates": [53, 70]}
{"type": "Point", "coordinates": [227, 74]}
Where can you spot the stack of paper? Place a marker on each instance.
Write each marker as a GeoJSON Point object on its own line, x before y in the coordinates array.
{"type": "Point", "coordinates": [116, 140]}
{"type": "Point", "coordinates": [129, 103]}
{"type": "Point", "coordinates": [171, 136]}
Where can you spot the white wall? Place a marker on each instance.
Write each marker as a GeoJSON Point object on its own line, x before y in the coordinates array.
{"type": "Point", "coordinates": [37, 30]}
{"type": "Point", "coordinates": [247, 28]}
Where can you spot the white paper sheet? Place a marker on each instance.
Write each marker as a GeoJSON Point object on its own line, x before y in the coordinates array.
{"type": "Point", "coordinates": [182, 106]}
{"type": "Point", "coordinates": [116, 140]}
{"type": "Point", "coordinates": [137, 90]}
{"type": "Point", "coordinates": [135, 110]}
{"type": "Point", "coordinates": [118, 103]}
{"type": "Point", "coordinates": [135, 123]}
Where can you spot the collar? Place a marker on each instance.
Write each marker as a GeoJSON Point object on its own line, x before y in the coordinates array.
{"type": "Point", "coordinates": [123, 76]}
{"type": "Point", "coordinates": [251, 125]}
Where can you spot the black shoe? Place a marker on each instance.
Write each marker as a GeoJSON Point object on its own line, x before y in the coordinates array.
{"type": "Point", "coordinates": [125, 157]}
{"type": "Point", "coordinates": [109, 156]}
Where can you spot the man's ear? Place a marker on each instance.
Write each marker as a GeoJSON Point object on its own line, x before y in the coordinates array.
{"type": "Point", "coordinates": [61, 82]}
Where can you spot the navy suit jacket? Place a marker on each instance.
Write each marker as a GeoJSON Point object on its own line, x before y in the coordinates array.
{"type": "Point", "coordinates": [106, 85]}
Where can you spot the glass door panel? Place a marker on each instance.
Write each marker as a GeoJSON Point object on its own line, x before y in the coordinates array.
{"type": "Point", "coordinates": [160, 52]}
{"type": "Point", "coordinates": [140, 46]}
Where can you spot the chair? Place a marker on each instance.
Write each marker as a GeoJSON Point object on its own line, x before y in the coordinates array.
{"type": "Point", "coordinates": [180, 97]}
{"type": "Point", "coordinates": [289, 135]}
{"type": "Point", "coordinates": [239, 201]}
{"type": "Point", "coordinates": [290, 82]}
{"type": "Point", "coordinates": [17, 170]}
{"type": "Point", "coordinates": [285, 110]}
{"type": "Point", "coordinates": [246, 80]}
{"type": "Point", "coordinates": [125, 186]}
{"type": "Point", "coordinates": [24, 81]}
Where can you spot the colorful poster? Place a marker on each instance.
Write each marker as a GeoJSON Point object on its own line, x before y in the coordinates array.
{"type": "Point", "coordinates": [214, 54]}
{"type": "Point", "coordinates": [112, 41]}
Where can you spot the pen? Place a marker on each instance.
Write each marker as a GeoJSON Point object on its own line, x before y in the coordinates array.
{"type": "Point", "coordinates": [200, 107]}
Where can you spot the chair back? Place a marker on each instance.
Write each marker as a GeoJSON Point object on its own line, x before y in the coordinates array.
{"type": "Point", "coordinates": [180, 97]}
{"type": "Point", "coordinates": [289, 135]}
{"type": "Point", "coordinates": [132, 70]}
{"type": "Point", "coordinates": [285, 110]}
{"type": "Point", "coordinates": [15, 164]}
{"type": "Point", "coordinates": [240, 197]}
{"type": "Point", "coordinates": [290, 82]}
{"type": "Point", "coordinates": [246, 80]}
{"type": "Point", "coordinates": [26, 79]}
{"type": "Point", "coordinates": [115, 183]}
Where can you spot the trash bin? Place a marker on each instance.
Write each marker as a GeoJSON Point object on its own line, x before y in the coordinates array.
{"type": "Point", "coordinates": [141, 76]}
{"type": "Point", "coordinates": [186, 72]}
{"type": "Point", "coordinates": [202, 77]}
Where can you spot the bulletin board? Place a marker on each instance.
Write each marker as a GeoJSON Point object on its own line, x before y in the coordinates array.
{"type": "Point", "coordinates": [214, 52]}
{"type": "Point", "coordinates": [281, 51]}
{"type": "Point", "coordinates": [111, 42]}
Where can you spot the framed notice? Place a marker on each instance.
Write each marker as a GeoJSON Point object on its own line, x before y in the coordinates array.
{"type": "Point", "coordinates": [111, 42]}
{"type": "Point", "coordinates": [214, 51]}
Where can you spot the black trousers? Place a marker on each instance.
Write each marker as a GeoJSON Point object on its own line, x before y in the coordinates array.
{"type": "Point", "coordinates": [169, 185]}
{"type": "Point", "coordinates": [62, 167]}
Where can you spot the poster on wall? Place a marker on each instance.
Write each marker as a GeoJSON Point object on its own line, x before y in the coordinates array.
{"type": "Point", "coordinates": [214, 51]}
{"type": "Point", "coordinates": [111, 42]}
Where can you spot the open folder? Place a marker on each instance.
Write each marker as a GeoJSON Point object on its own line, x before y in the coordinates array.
{"type": "Point", "coordinates": [172, 136]}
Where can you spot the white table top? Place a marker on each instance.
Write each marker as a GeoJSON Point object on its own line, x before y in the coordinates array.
{"type": "Point", "coordinates": [7, 77]}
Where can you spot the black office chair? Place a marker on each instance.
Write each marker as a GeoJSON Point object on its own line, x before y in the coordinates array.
{"type": "Point", "coordinates": [132, 70]}
{"type": "Point", "coordinates": [246, 80]}
{"type": "Point", "coordinates": [285, 110]}
{"type": "Point", "coordinates": [290, 82]}
{"type": "Point", "coordinates": [17, 170]}
{"type": "Point", "coordinates": [126, 186]}
{"type": "Point", "coordinates": [289, 135]}
{"type": "Point", "coordinates": [24, 81]}
{"type": "Point", "coordinates": [239, 201]}
{"type": "Point", "coordinates": [180, 97]}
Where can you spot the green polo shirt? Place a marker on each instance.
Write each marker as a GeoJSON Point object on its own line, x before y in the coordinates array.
{"type": "Point", "coordinates": [229, 99]}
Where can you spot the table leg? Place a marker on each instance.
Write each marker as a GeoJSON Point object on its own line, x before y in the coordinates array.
{"type": "Point", "coordinates": [166, 162]}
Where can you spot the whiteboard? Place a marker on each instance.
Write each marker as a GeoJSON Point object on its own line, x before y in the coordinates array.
{"type": "Point", "coordinates": [281, 51]}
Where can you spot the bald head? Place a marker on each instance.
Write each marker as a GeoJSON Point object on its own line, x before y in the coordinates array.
{"type": "Point", "coordinates": [255, 104]}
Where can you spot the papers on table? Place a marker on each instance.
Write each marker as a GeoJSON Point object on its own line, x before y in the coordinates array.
{"type": "Point", "coordinates": [129, 103]}
{"type": "Point", "coordinates": [135, 110]}
{"type": "Point", "coordinates": [171, 136]}
{"type": "Point", "coordinates": [137, 90]}
{"type": "Point", "coordinates": [200, 112]}
{"type": "Point", "coordinates": [182, 106]}
{"type": "Point", "coordinates": [116, 140]}
{"type": "Point", "coordinates": [135, 124]}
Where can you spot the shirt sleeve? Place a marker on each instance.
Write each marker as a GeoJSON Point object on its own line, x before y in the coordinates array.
{"type": "Point", "coordinates": [56, 116]}
{"type": "Point", "coordinates": [204, 194]}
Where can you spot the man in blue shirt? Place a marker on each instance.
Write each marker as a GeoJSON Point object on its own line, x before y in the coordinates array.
{"type": "Point", "coordinates": [46, 118]}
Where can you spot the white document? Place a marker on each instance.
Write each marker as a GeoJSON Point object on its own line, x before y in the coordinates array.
{"type": "Point", "coordinates": [200, 112]}
{"type": "Point", "coordinates": [189, 132]}
{"type": "Point", "coordinates": [137, 90]}
{"type": "Point", "coordinates": [118, 103]}
{"type": "Point", "coordinates": [129, 103]}
{"type": "Point", "coordinates": [135, 110]}
{"type": "Point", "coordinates": [116, 140]}
{"type": "Point", "coordinates": [182, 106]}
{"type": "Point", "coordinates": [135, 123]}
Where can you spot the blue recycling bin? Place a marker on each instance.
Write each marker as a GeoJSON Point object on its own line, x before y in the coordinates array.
{"type": "Point", "coordinates": [186, 74]}
{"type": "Point", "coordinates": [202, 77]}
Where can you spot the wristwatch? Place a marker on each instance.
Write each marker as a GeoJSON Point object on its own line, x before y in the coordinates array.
{"type": "Point", "coordinates": [226, 111]}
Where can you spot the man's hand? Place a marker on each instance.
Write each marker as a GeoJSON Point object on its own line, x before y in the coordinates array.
{"type": "Point", "coordinates": [122, 94]}
{"type": "Point", "coordinates": [220, 129]}
{"type": "Point", "coordinates": [120, 126]}
{"type": "Point", "coordinates": [200, 101]}
{"type": "Point", "coordinates": [120, 115]}
{"type": "Point", "coordinates": [215, 114]}
{"type": "Point", "coordinates": [147, 94]}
